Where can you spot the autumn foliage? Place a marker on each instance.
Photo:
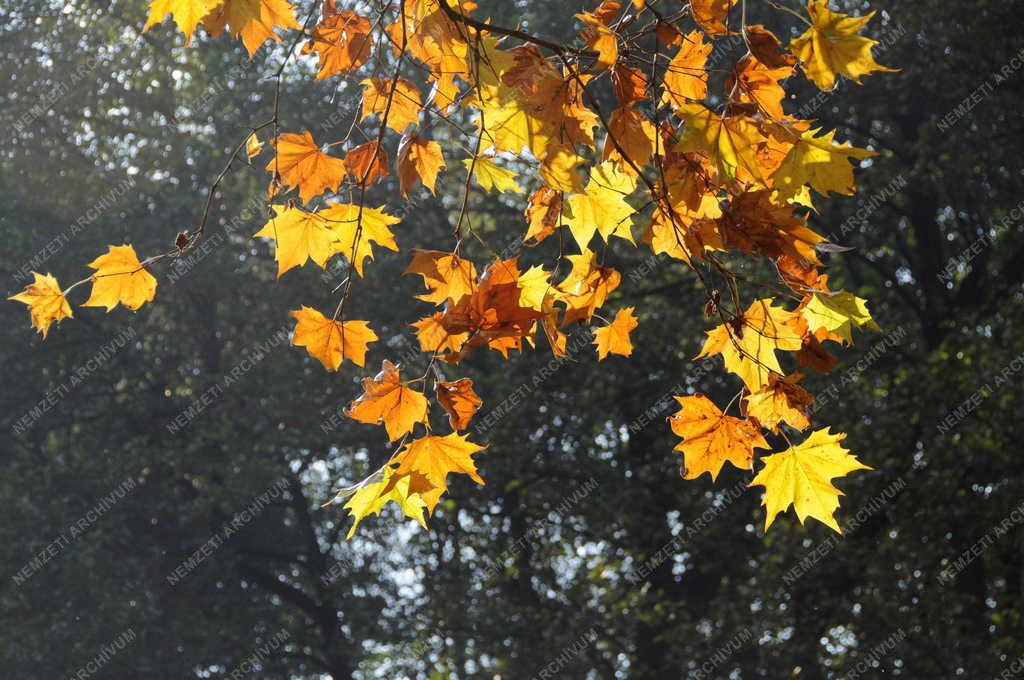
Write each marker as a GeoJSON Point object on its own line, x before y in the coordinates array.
{"type": "Point", "coordinates": [634, 131]}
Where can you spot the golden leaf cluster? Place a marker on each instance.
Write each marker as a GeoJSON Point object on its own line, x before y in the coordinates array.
{"type": "Point", "coordinates": [696, 161]}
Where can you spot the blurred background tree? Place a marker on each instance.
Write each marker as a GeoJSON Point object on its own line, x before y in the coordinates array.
{"type": "Point", "coordinates": [584, 553]}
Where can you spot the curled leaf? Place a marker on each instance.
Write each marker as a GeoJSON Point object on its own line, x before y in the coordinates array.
{"type": "Point", "coordinates": [46, 303]}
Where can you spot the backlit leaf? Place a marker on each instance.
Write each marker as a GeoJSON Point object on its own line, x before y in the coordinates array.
{"type": "Point", "coordinates": [711, 438]}
{"type": "Point", "coordinates": [388, 401]}
{"type": "Point", "coordinates": [490, 177]}
{"type": "Point", "coordinates": [801, 476]}
{"type": "Point", "coordinates": [459, 400]}
{"type": "Point", "coordinates": [46, 303]}
{"type": "Point", "coordinates": [614, 338]}
{"type": "Point", "coordinates": [329, 341]}
{"type": "Point", "coordinates": [120, 279]}
{"type": "Point", "coordinates": [300, 163]}
{"type": "Point", "coordinates": [832, 46]}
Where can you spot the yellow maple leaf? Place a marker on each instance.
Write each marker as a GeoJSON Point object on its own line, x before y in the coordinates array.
{"type": "Point", "coordinates": [838, 313]}
{"type": "Point", "coordinates": [614, 338]}
{"type": "Point", "coordinates": [356, 227]}
{"type": "Point", "coordinates": [831, 46]}
{"type": "Point", "coordinates": [820, 163]}
{"type": "Point", "coordinates": [120, 279]}
{"type": "Point", "coordinates": [599, 38]}
{"type": "Point", "coordinates": [686, 79]}
{"type": "Point", "coordinates": [254, 20]}
{"type": "Point", "coordinates": [253, 146]}
{"type": "Point", "coordinates": [434, 337]}
{"type": "Point", "coordinates": [371, 495]}
{"type": "Point", "coordinates": [710, 438]}
{"type": "Point", "coordinates": [683, 234]}
{"type": "Point", "coordinates": [434, 39]}
{"type": "Point", "coordinates": [420, 160]}
{"type": "Point", "coordinates": [490, 177]}
{"type": "Point", "coordinates": [330, 341]}
{"type": "Point", "coordinates": [299, 236]}
{"type": "Point", "coordinates": [534, 286]}
{"type": "Point", "coordinates": [667, 235]}
{"type": "Point", "coordinates": [300, 163]}
{"type": "Point", "coordinates": [801, 476]}
{"type": "Point", "coordinates": [187, 14]}
{"type": "Point", "coordinates": [446, 275]}
{"type": "Point", "coordinates": [510, 125]}
{"type": "Point", "coordinates": [405, 101]}
{"type": "Point", "coordinates": [386, 399]}
{"type": "Point", "coordinates": [436, 456]}
{"type": "Point", "coordinates": [602, 207]}
{"type": "Point", "coordinates": [586, 287]}
{"type": "Point", "coordinates": [559, 167]}
{"type": "Point", "coordinates": [748, 343]}
{"type": "Point", "coordinates": [485, 63]}
{"type": "Point", "coordinates": [732, 142]}
{"type": "Point", "coordinates": [46, 303]}
{"type": "Point", "coordinates": [535, 107]}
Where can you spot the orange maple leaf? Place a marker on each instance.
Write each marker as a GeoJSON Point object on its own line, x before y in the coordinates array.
{"type": "Point", "coordinates": [634, 133]}
{"type": "Point", "coordinates": [341, 42]}
{"type": "Point", "coordinates": [330, 341]}
{"type": "Point", "coordinates": [494, 315]}
{"type": "Point", "coordinates": [782, 400]}
{"type": "Point", "coordinates": [459, 400]}
{"type": "Point", "coordinates": [419, 160]}
{"type": "Point", "coordinates": [598, 37]}
{"type": "Point", "coordinates": [686, 79]}
{"type": "Point", "coordinates": [711, 14]}
{"type": "Point", "coordinates": [398, 98]}
{"type": "Point", "coordinates": [367, 163]}
{"type": "Point", "coordinates": [766, 48]}
{"type": "Point", "coordinates": [543, 213]}
{"type": "Point", "coordinates": [446, 275]}
{"type": "Point", "coordinates": [254, 20]}
{"type": "Point", "coordinates": [629, 84]}
{"type": "Point", "coordinates": [753, 224]}
{"type": "Point", "coordinates": [300, 163]}
{"type": "Point", "coordinates": [434, 337]}
{"type": "Point", "coordinates": [813, 355]}
{"type": "Point", "coordinates": [710, 438]}
{"type": "Point", "coordinates": [386, 399]}
{"type": "Point", "coordinates": [614, 338]}
{"type": "Point", "coordinates": [758, 84]}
